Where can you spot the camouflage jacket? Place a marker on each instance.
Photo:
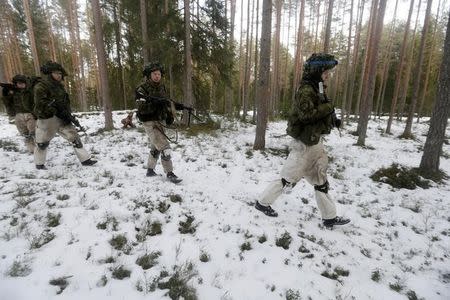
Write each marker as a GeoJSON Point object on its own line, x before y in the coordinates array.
{"type": "Point", "coordinates": [154, 109]}
{"type": "Point", "coordinates": [19, 101]}
{"type": "Point", "coordinates": [50, 99]}
{"type": "Point", "coordinates": [310, 115]}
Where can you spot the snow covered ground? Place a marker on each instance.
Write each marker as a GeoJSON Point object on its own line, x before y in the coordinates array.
{"type": "Point", "coordinates": [78, 227]}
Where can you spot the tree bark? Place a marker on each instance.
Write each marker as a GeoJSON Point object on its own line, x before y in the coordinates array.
{"type": "Point", "coordinates": [188, 99]}
{"type": "Point", "coordinates": [440, 114]}
{"type": "Point", "coordinates": [298, 52]}
{"type": "Point", "coordinates": [347, 62]}
{"type": "Point", "coordinates": [326, 45]}
{"type": "Point", "coordinates": [275, 79]}
{"type": "Point", "coordinates": [101, 61]}
{"type": "Point", "coordinates": [34, 53]}
{"type": "Point", "coordinates": [418, 70]}
{"type": "Point", "coordinates": [263, 78]}
{"type": "Point", "coordinates": [369, 87]}
{"type": "Point", "coordinates": [143, 11]}
{"type": "Point", "coordinates": [256, 64]}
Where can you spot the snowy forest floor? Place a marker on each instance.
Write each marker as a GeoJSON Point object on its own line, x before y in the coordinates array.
{"type": "Point", "coordinates": [74, 232]}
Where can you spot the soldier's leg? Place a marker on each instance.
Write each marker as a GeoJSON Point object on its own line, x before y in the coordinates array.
{"type": "Point", "coordinates": [70, 133]}
{"type": "Point", "coordinates": [45, 132]}
{"type": "Point", "coordinates": [21, 124]}
{"type": "Point", "coordinates": [31, 126]}
{"type": "Point", "coordinates": [153, 157]}
{"type": "Point", "coordinates": [291, 173]}
{"type": "Point", "coordinates": [317, 176]}
{"type": "Point", "coordinates": [160, 143]}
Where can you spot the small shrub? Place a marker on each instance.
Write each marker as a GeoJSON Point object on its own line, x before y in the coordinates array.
{"type": "Point", "coordinates": [400, 177]}
{"type": "Point", "coordinates": [148, 260]}
{"type": "Point", "coordinates": [293, 295]}
{"type": "Point", "coordinates": [108, 260]}
{"type": "Point", "coordinates": [303, 249]}
{"type": "Point", "coordinates": [177, 283]}
{"type": "Point", "coordinates": [341, 272]}
{"type": "Point", "coordinates": [332, 275]}
{"type": "Point", "coordinates": [102, 281]}
{"type": "Point", "coordinates": [120, 273]}
{"type": "Point", "coordinates": [396, 287]}
{"type": "Point", "coordinates": [19, 269]}
{"type": "Point", "coordinates": [187, 226]}
{"type": "Point", "coordinates": [204, 257]}
{"type": "Point", "coordinates": [163, 207]}
{"type": "Point", "coordinates": [376, 276]}
{"type": "Point", "coordinates": [110, 222]}
{"type": "Point", "coordinates": [262, 239]}
{"type": "Point", "coordinates": [246, 246]}
{"type": "Point", "coordinates": [61, 282]}
{"type": "Point", "coordinates": [42, 239]}
{"type": "Point", "coordinates": [149, 229]}
{"type": "Point", "coordinates": [412, 295]}
{"type": "Point", "coordinates": [9, 146]}
{"type": "Point", "coordinates": [176, 198]}
{"type": "Point", "coordinates": [284, 241]}
{"type": "Point", "coordinates": [63, 197]}
{"type": "Point", "coordinates": [53, 220]}
{"type": "Point", "coordinates": [118, 242]}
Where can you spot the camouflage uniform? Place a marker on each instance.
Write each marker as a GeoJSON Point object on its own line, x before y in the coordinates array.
{"type": "Point", "coordinates": [155, 114]}
{"type": "Point", "coordinates": [19, 105]}
{"type": "Point", "coordinates": [311, 116]}
{"type": "Point", "coordinates": [51, 108]}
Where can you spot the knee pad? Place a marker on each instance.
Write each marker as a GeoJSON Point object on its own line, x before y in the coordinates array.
{"type": "Point", "coordinates": [287, 183]}
{"type": "Point", "coordinates": [154, 153]}
{"type": "Point", "coordinates": [43, 146]}
{"type": "Point", "coordinates": [77, 143]}
{"type": "Point", "coordinates": [323, 187]}
{"type": "Point", "coordinates": [165, 154]}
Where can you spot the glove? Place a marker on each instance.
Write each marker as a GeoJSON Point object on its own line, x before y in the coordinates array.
{"type": "Point", "coordinates": [335, 120]}
{"type": "Point", "coordinates": [5, 91]}
{"type": "Point", "coordinates": [169, 119]}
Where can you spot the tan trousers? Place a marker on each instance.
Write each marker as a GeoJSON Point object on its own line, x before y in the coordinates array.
{"type": "Point", "coordinates": [158, 145]}
{"type": "Point", "coordinates": [46, 131]}
{"type": "Point", "coordinates": [26, 125]}
{"type": "Point", "coordinates": [311, 163]}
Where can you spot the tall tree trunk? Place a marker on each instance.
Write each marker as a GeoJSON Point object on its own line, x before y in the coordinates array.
{"type": "Point", "coordinates": [326, 45]}
{"type": "Point", "coordinates": [241, 62]}
{"type": "Point", "coordinates": [347, 63]}
{"type": "Point", "coordinates": [145, 43]}
{"type": "Point", "coordinates": [249, 63]}
{"type": "Point", "coordinates": [355, 58]}
{"type": "Point", "coordinates": [26, 6]}
{"type": "Point", "coordinates": [401, 66]}
{"type": "Point", "coordinates": [369, 87]}
{"type": "Point", "coordinates": [188, 99]}
{"type": "Point", "coordinates": [316, 36]}
{"type": "Point", "coordinates": [101, 61]}
{"type": "Point", "coordinates": [256, 64]}
{"type": "Point", "coordinates": [118, 40]}
{"type": "Point", "coordinates": [229, 89]}
{"type": "Point", "coordinates": [429, 63]}
{"type": "Point", "coordinates": [298, 51]}
{"type": "Point", "coordinates": [275, 79]}
{"type": "Point", "coordinates": [405, 88]}
{"type": "Point", "coordinates": [263, 78]}
{"type": "Point", "coordinates": [407, 133]}
{"type": "Point", "coordinates": [386, 64]}
{"type": "Point", "coordinates": [441, 113]}
{"type": "Point", "coordinates": [246, 78]}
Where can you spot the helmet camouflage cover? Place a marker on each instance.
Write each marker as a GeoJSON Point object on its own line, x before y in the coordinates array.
{"type": "Point", "coordinates": [51, 66]}
{"type": "Point", "coordinates": [19, 78]}
{"type": "Point", "coordinates": [151, 67]}
{"type": "Point", "coordinates": [319, 62]}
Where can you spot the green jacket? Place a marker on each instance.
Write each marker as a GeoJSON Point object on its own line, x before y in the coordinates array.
{"type": "Point", "coordinates": [152, 109]}
{"type": "Point", "coordinates": [19, 101]}
{"type": "Point", "coordinates": [310, 116]}
{"type": "Point", "coordinates": [50, 99]}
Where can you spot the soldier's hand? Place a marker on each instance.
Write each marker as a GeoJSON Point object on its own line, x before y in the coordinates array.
{"type": "Point", "coordinates": [337, 123]}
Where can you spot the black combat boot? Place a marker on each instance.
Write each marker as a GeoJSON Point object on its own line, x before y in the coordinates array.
{"type": "Point", "coordinates": [151, 173]}
{"type": "Point", "coordinates": [329, 223]}
{"type": "Point", "coordinates": [89, 162]}
{"type": "Point", "coordinates": [41, 167]}
{"type": "Point", "coordinates": [173, 178]}
{"type": "Point", "coordinates": [267, 210]}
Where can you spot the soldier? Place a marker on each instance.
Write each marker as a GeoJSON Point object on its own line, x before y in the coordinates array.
{"type": "Point", "coordinates": [156, 112]}
{"type": "Point", "coordinates": [52, 108]}
{"type": "Point", "coordinates": [312, 116]}
{"type": "Point", "coordinates": [18, 101]}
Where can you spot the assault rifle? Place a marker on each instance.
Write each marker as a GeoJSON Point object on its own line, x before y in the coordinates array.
{"type": "Point", "coordinates": [66, 115]}
{"type": "Point", "coordinates": [334, 119]}
{"type": "Point", "coordinates": [178, 106]}
{"type": "Point", "coordinates": [7, 87]}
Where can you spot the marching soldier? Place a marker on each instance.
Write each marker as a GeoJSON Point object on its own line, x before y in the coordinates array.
{"type": "Point", "coordinates": [312, 116]}
{"type": "Point", "coordinates": [18, 100]}
{"type": "Point", "coordinates": [52, 108]}
{"type": "Point", "coordinates": [156, 112]}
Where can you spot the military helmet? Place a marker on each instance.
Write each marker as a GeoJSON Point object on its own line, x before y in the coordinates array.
{"type": "Point", "coordinates": [51, 66]}
{"type": "Point", "coordinates": [317, 63]}
{"type": "Point", "coordinates": [154, 66]}
{"type": "Point", "coordinates": [19, 78]}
